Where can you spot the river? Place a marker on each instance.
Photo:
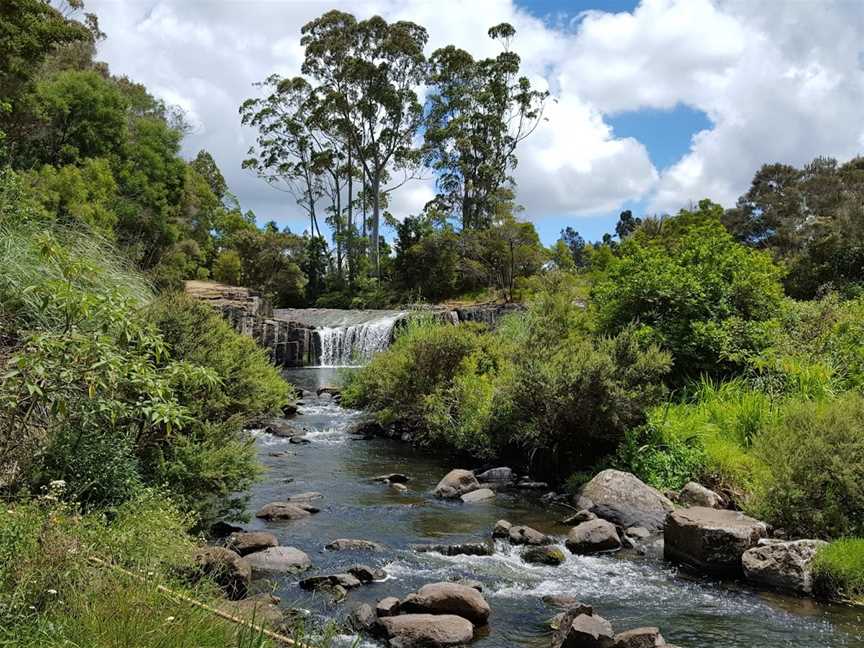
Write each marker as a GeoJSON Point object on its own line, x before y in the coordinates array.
{"type": "Point", "coordinates": [691, 613]}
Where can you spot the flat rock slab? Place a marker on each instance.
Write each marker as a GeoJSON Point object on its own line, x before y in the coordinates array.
{"type": "Point", "coordinates": [279, 560]}
{"type": "Point", "coordinates": [624, 500]}
{"type": "Point", "coordinates": [711, 540]}
{"type": "Point", "coordinates": [464, 549]}
{"type": "Point", "coordinates": [522, 535]}
{"type": "Point", "coordinates": [427, 630]}
{"type": "Point", "coordinates": [479, 495]}
{"type": "Point", "coordinates": [639, 638]}
{"type": "Point", "coordinates": [285, 511]}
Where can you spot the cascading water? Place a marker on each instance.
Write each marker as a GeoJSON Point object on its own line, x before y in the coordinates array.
{"type": "Point", "coordinates": [344, 338]}
{"type": "Point", "coordinates": [355, 344]}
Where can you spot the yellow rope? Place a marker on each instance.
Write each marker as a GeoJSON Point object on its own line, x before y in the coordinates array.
{"type": "Point", "coordinates": [224, 615]}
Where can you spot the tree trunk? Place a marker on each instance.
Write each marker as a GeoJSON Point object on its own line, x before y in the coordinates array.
{"type": "Point", "coordinates": [376, 215]}
{"type": "Point", "coordinates": [350, 240]}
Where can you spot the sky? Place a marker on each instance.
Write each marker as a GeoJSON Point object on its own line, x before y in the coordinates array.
{"type": "Point", "coordinates": [654, 104]}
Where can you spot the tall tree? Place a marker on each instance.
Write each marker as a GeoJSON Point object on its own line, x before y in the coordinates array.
{"type": "Point", "coordinates": [369, 71]}
{"type": "Point", "coordinates": [479, 112]}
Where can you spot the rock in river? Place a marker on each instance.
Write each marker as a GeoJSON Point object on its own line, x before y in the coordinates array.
{"type": "Point", "coordinates": [782, 565]}
{"type": "Point", "coordinates": [449, 598]}
{"type": "Point", "coordinates": [463, 549]}
{"type": "Point", "coordinates": [594, 536]}
{"type": "Point", "coordinates": [246, 542]}
{"type": "Point", "coordinates": [387, 607]}
{"type": "Point", "coordinates": [426, 630]}
{"type": "Point", "coordinates": [456, 483]}
{"type": "Point", "coordinates": [543, 555]}
{"type": "Point", "coordinates": [522, 535]}
{"type": "Point", "coordinates": [639, 638]}
{"type": "Point", "coordinates": [285, 511]}
{"type": "Point", "coordinates": [280, 560]}
{"type": "Point", "coordinates": [502, 529]}
{"type": "Point", "coordinates": [711, 540]}
{"type": "Point", "coordinates": [479, 495]}
{"type": "Point", "coordinates": [501, 475]}
{"type": "Point", "coordinates": [624, 500]}
{"type": "Point", "coordinates": [353, 544]}
{"type": "Point", "coordinates": [579, 630]}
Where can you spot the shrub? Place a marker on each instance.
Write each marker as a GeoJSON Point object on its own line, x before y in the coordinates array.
{"type": "Point", "coordinates": [814, 458]}
{"type": "Point", "coordinates": [691, 288]}
{"type": "Point", "coordinates": [838, 570]}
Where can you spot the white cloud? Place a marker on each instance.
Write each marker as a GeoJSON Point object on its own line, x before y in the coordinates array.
{"type": "Point", "coordinates": [779, 81]}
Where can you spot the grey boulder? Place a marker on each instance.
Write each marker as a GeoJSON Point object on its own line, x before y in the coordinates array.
{"type": "Point", "coordinates": [522, 535]}
{"type": "Point", "coordinates": [246, 542]}
{"type": "Point", "coordinates": [426, 630]}
{"type": "Point", "coordinates": [280, 560]}
{"type": "Point", "coordinates": [594, 536]}
{"type": "Point", "coordinates": [623, 499]}
{"type": "Point", "coordinates": [456, 483]}
{"type": "Point", "coordinates": [479, 495]}
{"type": "Point", "coordinates": [580, 630]}
{"type": "Point", "coordinates": [639, 638]}
{"type": "Point", "coordinates": [449, 598]}
{"type": "Point", "coordinates": [694, 494]}
{"type": "Point", "coordinates": [782, 565]}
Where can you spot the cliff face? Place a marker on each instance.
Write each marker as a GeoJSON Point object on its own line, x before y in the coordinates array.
{"type": "Point", "coordinates": [289, 343]}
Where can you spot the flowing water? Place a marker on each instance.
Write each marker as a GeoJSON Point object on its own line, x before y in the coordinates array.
{"type": "Point", "coordinates": [630, 592]}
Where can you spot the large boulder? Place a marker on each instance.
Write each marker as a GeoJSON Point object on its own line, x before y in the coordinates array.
{"type": "Point", "coordinates": [285, 511]}
{"type": "Point", "coordinates": [279, 560]}
{"type": "Point", "coordinates": [639, 638]}
{"type": "Point", "coordinates": [231, 572]}
{"type": "Point", "coordinates": [624, 500]}
{"type": "Point", "coordinates": [579, 630]}
{"type": "Point", "coordinates": [525, 535]}
{"type": "Point", "coordinates": [782, 565]}
{"type": "Point", "coordinates": [463, 549]}
{"type": "Point", "coordinates": [246, 542]}
{"type": "Point", "coordinates": [501, 529]}
{"type": "Point", "coordinates": [694, 494]}
{"type": "Point", "coordinates": [594, 536]}
{"type": "Point", "coordinates": [367, 574]}
{"type": "Point", "coordinates": [543, 555]}
{"type": "Point", "coordinates": [711, 540]}
{"type": "Point", "coordinates": [387, 607]}
{"type": "Point", "coordinates": [456, 483]}
{"type": "Point", "coordinates": [426, 630]}
{"type": "Point", "coordinates": [364, 619]}
{"type": "Point", "coordinates": [449, 598]}
{"type": "Point", "coordinates": [261, 609]}
{"type": "Point", "coordinates": [354, 544]}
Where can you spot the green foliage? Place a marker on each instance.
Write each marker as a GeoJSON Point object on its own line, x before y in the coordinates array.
{"type": "Point", "coordinates": [691, 288]}
{"type": "Point", "coordinates": [814, 456]}
{"type": "Point", "coordinates": [838, 570]}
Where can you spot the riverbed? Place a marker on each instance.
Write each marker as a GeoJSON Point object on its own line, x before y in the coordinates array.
{"type": "Point", "coordinates": [628, 591]}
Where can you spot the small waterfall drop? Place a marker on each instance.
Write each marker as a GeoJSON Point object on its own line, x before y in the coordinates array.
{"type": "Point", "coordinates": [354, 344]}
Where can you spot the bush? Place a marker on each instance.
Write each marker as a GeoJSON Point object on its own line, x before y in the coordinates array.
{"type": "Point", "coordinates": [838, 570]}
{"type": "Point", "coordinates": [814, 458]}
{"type": "Point", "coordinates": [688, 286]}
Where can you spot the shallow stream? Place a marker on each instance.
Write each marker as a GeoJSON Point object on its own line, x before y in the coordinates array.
{"type": "Point", "coordinates": [691, 613]}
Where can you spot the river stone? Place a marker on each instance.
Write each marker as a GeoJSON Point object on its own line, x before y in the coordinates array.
{"type": "Point", "coordinates": [639, 638]}
{"type": "Point", "coordinates": [711, 540]}
{"type": "Point", "coordinates": [624, 500]}
{"type": "Point", "coordinates": [283, 428]}
{"type": "Point", "coordinates": [579, 630]}
{"type": "Point", "coordinates": [463, 549]}
{"type": "Point", "coordinates": [426, 630]}
{"type": "Point", "coordinates": [479, 495]}
{"type": "Point", "coordinates": [246, 542]}
{"type": "Point", "coordinates": [501, 475]}
{"type": "Point", "coordinates": [501, 529]}
{"type": "Point", "coordinates": [353, 544]}
{"type": "Point", "coordinates": [304, 497]}
{"type": "Point", "coordinates": [532, 485]}
{"type": "Point", "coordinates": [367, 574]}
{"type": "Point", "coordinates": [543, 555]}
{"type": "Point", "coordinates": [280, 560]}
{"type": "Point", "coordinates": [522, 535]}
{"type": "Point", "coordinates": [594, 536]}
{"type": "Point", "coordinates": [449, 598]}
{"type": "Point", "coordinates": [392, 478]}
{"type": "Point", "coordinates": [694, 494]}
{"type": "Point", "coordinates": [456, 483]}
{"type": "Point", "coordinates": [782, 565]}
{"type": "Point", "coordinates": [399, 488]}
{"type": "Point", "coordinates": [226, 568]}
{"type": "Point", "coordinates": [348, 581]}
{"type": "Point", "coordinates": [387, 607]}
{"type": "Point", "coordinates": [285, 511]}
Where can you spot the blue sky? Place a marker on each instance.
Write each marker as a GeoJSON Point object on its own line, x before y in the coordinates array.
{"type": "Point", "coordinates": [633, 82]}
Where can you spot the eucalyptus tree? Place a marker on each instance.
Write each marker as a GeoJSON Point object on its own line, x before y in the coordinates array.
{"type": "Point", "coordinates": [478, 113]}
{"type": "Point", "coordinates": [369, 72]}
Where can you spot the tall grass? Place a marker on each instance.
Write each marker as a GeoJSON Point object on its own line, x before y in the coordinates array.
{"type": "Point", "coordinates": [839, 570]}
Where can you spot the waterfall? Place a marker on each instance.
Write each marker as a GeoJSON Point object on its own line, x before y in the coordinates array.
{"type": "Point", "coordinates": [341, 338]}
{"type": "Point", "coordinates": [356, 343]}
